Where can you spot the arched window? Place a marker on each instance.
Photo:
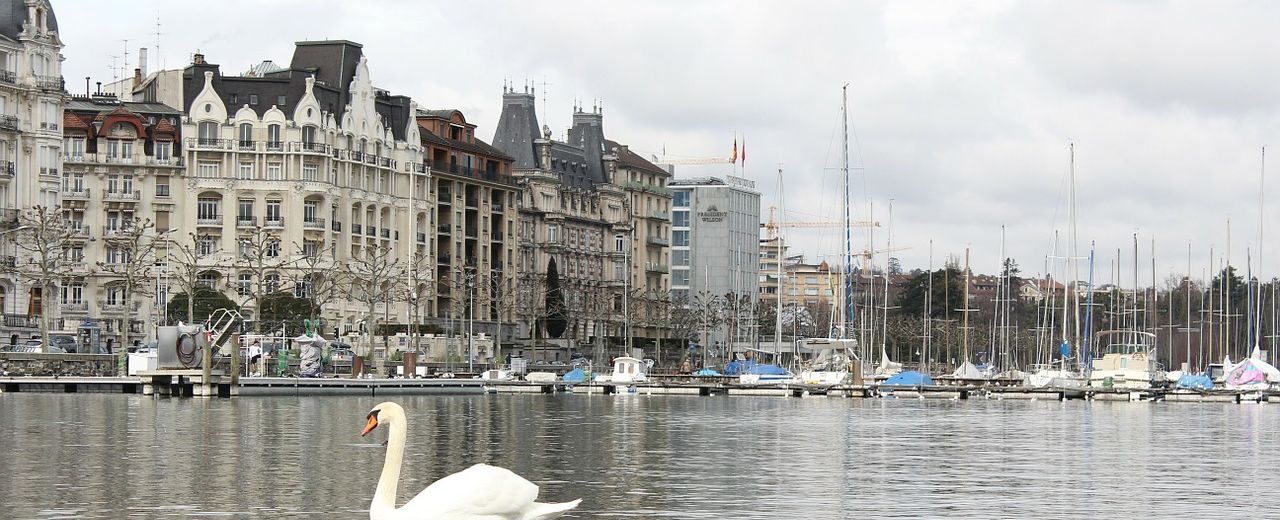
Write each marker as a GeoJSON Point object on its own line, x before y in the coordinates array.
{"type": "Point", "coordinates": [308, 135]}
{"type": "Point", "coordinates": [273, 136]}
{"type": "Point", "coordinates": [208, 133]}
{"type": "Point", "coordinates": [246, 136]}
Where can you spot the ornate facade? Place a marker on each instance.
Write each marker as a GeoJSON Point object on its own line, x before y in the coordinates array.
{"type": "Point", "coordinates": [31, 100]}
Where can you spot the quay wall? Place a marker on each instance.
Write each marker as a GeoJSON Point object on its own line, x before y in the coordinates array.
{"type": "Point", "coordinates": [62, 365]}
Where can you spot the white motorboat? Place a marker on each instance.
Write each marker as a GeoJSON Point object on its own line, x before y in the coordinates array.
{"type": "Point", "coordinates": [1128, 360]}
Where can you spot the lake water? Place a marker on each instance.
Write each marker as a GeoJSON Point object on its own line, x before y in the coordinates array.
{"type": "Point", "coordinates": [114, 456]}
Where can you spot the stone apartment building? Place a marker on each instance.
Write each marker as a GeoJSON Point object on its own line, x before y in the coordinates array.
{"type": "Point", "coordinates": [31, 101]}
{"type": "Point", "coordinates": [602, 212]}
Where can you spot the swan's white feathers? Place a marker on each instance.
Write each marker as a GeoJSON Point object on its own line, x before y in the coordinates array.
{"type": "Point", "coordinates": [478, 491]}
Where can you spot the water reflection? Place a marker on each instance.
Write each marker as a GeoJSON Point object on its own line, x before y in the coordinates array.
{"type": "Point", "coordinates": [111, 456]}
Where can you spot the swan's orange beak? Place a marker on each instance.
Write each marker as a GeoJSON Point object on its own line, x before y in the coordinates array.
{"type": "Point", "coordinates": [373, 423]}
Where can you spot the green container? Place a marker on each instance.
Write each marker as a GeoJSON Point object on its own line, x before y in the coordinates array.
{"type": "Point", "coordinates": [1108, 382]}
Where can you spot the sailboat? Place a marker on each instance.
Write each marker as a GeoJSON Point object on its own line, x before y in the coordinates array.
{"type": "Point", "coordinates": [1059, 372]}
{"type": "Point", "coordinates": [835, 354]}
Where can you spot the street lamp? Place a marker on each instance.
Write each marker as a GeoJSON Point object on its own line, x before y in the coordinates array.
{"type": "Point", "coordinates": [471, 321]}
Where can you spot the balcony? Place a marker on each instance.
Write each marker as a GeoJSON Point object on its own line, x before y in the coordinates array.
{"type": "Point", "coordinates": [9, 123]}
{"type": "Point", "coordinates": [245, 146]}
{"type": "Point", "coordinates": [497, 207]}
{"type": "Point", "coordinates": [335, 225]}
{"type": "Point", "coordinates": [275, 146]}
{"type": "Point", "coordinates": [444, 196]}
{"type": "Point", "coordinates": [50, 83]}
{"type": "Point", "coordinates": [386, 233]}
{"type": "Point", "coordinates": [117, 306]}
{"type": "Point", "coordinates": [314, 147]}
{"type": "Point", "coordinates": [165, 161]}
{"type": "Point", "coordinates": [371, 231]}
{"type": "Point", "coordinates": [9, 261]}
{"type": "Point", "coordinates": [119, 159]}
{"type": "Point", "coordinates": [77, 230]}
{"type": "Point", "coordinates": [127, 196]}
{"type": "Point", "coordinates": [8, 76]}
{"type": "Point", "coordinates": [6, 169]}
{"type": "Point", "coordinates": [21, 321]}
{"type": "Point", "coordinates": [76, 192]}
{"type": "Point", "coordinates": [640, 186]}
{"type": "Point", "coordinates": [656, 268]}
{"type": "Point", "coordinates": [110, 231]}
{"type": "Point", "coordinates": [215, 221]}
{"type": "Point", "coordinates": [313, 223]}
{"type": "Point", "coordinates": [205, 143]}
{"type": "Point", "coordinates": [444, 229]}
{"type": "Point", "coordinates": [277, 222]}
{"type": "Point", "coordinates": [444, 258]}
{"type": "Point", "coordinates": [370, 159]}
{"type": "Point", "coordinates": [246, 221]}
{"type": "Point", "coordinates": [422, 238]}
{"type": "Point", "coordinates": [659, 214]}
{"type": "Point", "coordinates": [356, 156]}
{"type": "Point", "coordinates": [658, 241]}
{"type": "Point", "coordinates": [75, 307]}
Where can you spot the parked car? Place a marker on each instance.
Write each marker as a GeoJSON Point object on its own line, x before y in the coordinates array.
{"type": "Point", "coordinates": [64, 343]}
{"type": "Point", "coordinates": [34, 348]}
{"type": "Point", "coordinates": [341, 355]}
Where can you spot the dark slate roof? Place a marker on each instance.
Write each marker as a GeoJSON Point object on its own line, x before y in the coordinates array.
{"type": "Point", "coordinates": [572, 165]}
{"type": "Point", "coordinates": [108, 104]}
{"type": "Point", "coordinates": [13, 13]}
{"type": "Point", "coordinates": [517, 130]}
{"type": "Point", "coordinates": [630, 159]}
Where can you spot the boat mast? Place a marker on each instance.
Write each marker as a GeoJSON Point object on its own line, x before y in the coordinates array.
{"type": "Point", "coordinates": [928, 312]}
{"type": "Point", "coordinates": [777, 243]}
{"type": "Point", "coordinates": [884, 328]}
{"type": "Point", "coordinates": [1086, 350]}
{"type": "Point", "coordinates": [1188, 311]}
{"type": "Point", "coordinates": [848, 230]}
{"type": "Point", "coordinates": [1262, 173]}
{"type": "Point", "coordinates": [966, 306]}
{"type": "Point", "coordinates": [1072, 264]}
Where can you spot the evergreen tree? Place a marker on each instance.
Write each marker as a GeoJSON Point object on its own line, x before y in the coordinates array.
{"type": "Point", "coordinates": [556, 320]}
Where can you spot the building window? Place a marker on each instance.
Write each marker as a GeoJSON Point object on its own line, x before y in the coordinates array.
{"type": "Point", "coordinates": [273, 211]}
{"type": "Point", "coordinates": [244, 211]}
{"type": "Point", "coordinates": [309, 172]}
{"type": "Point", "coordinates": [253, 99]}
{"type": "Point", "coordinates": [204, 246]}
{"type": "Point", "coordinates": [208, 170]}
{"type": "Point", "coordinates": [273, 137]}
{"type": "Point", "coordinates": [163, 152]}
{"type": "Point", "coordinates": [553, 234]}
{"type": "Point", "coordinates": [246, 136]}
{"type": "Point", "coordinates": [680, 238]}
{"type": "Point", "coordinates": [275, 172]}
{"type": "Point", "coordinates": [679, 257]}
{"type": "Point", "coordinates": [74, 148]}
{"type": "Point", "coordinates": [619, 243]}
{"type": "Point", "coordinates": [207, 208]}
{"type": "Point", "coordinates": [244, 284]}
{"type": "Point", "coordinates": [272, 282]}
{"type": "Point", "coordinates": [308, 135]}
{"type": "Point", "coordinates": [208, 133]}
{"type": "Point", "coordinates": [245, 171]}
{"type": "Point", "coordinates": [680, 198]}
{"type": "Point", "coordinates": [680, 277]}
{"type": "Point", "coordinates": [680, 219]}
{"type": "Point", "coordinates": [280, 101]}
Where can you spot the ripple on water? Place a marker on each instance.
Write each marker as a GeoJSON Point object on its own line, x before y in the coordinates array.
{"type": "Point", "coordinates": [107, 456]}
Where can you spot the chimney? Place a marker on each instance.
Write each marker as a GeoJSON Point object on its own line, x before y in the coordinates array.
{"type": "Point", "coordinates": [197, 59]}
{"type": "Point", "coordinates": [142, 61]}
{"type": "Point", "coordinates": [99, 83]}
{"type": "Point", "coordinates": [137, 77]}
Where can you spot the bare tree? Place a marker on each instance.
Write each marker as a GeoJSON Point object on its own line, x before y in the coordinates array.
{"type": "Point", "coordinates": [417, 290]}
{"type": "Point", "coordinates": [130, 260]}
{"type": "Point", "coordinates": [43, 241]}
{"type": "Point", "coordinates": [318, 276]}
{"type": "Point", "coordinates": [259, 255]}
{"type": "Point", "coordinates": [374, 278]}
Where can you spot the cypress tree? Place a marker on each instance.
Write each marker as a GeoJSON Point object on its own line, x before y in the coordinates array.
{"type": "Point", "coordinates": [556, 320]}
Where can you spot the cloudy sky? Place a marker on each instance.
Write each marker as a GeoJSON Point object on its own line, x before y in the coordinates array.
{"type": "Point", "coordinates": [962, 113]}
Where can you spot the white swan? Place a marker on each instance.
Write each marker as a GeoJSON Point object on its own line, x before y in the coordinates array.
{"type": "Point", "coordinates": [481, 492]}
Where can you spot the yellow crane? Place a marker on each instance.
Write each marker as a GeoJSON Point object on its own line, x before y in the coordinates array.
{"type": "Point", "coordinates": [772, 225]}
{"type": "Point", "coordinates": [688, 161]}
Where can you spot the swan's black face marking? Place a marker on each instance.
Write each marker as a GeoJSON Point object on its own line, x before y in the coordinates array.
{"type": "Point", "coordinates": [373, 422]}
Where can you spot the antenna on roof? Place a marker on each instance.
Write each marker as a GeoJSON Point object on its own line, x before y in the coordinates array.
{"type": "Point", "coordinates": [159, 57]}
{"type": "Point", "coordinates": [124, 66]}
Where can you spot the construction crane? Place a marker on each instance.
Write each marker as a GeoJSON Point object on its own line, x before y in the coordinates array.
{"type": "Point", "coordinates": [772, 225]}
{"type": "Point", "coordinates": [692, 161]}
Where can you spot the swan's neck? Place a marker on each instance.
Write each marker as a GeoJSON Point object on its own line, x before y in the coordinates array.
{"type": "Point", "coordinates": [385, 497]}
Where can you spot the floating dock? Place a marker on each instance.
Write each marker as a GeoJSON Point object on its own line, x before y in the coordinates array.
{"type": "Point", "coordinates": [188, 384]}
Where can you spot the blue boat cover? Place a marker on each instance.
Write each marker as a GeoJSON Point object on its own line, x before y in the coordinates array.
{"type": "Point", "coordinates": [574, 376]}
{"type": "Point", "coordinates": [767, 370]}
{"type": "Point", "coordinates": [738, 367]}
{"type": "Point", "coordinates": [706, 372]}
{"type": "Point", "coordinates": [909, 378]}
{"type": "Point", "coordinates": [1195, 381]}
